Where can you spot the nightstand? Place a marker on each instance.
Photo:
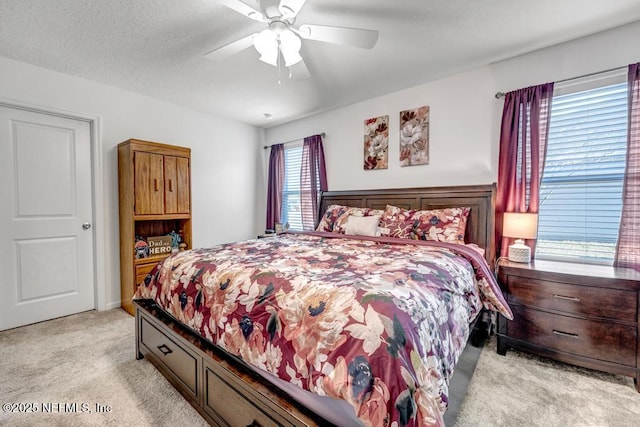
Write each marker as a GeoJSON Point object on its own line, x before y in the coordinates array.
{"type": "Point", "coordinates": [585, 315]}
{"type": "Point", "coordinates": [266, 235]}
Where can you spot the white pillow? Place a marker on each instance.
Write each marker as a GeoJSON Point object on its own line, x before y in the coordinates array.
{"type": "Point", "coordinates": [362, 225]}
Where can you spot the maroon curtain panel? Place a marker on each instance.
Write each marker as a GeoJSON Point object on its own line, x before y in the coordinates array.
{"type": "Point", "coordinates": [523, 146]}
{"type": "Point", "coordinates": [313, 180]}
{"type": "Point", "coordinates": [275, 185]}
{"type": "Point", "coordinates": [628, 247]}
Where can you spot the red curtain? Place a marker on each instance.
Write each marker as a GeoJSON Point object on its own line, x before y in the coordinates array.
{"type": "Point", "coordinates": [275, 185]}
{"type": "Point", "coordinates": [523, 145]}
{"type": "Point", "coordinates": [313, 180]}
{"type": "Point", "coordinates": [628, 247]}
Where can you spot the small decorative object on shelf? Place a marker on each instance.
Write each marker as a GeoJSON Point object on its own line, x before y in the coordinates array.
{"type": "Point", "coordinates": [141, 248]}
{"type": "Point", "coordinates": [175, 241]}
{"type": "Point", "coordinates": [182, 246]}
{"type": "Point", "coordinates": [160, 245]}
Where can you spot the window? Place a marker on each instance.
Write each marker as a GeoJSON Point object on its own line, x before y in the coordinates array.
{"type": "Point", "coordinates": [300, 190]}
{"type": "Point", "coordinates": [291, 209]}
{"type": "Point", "coordinates": [581, 189]}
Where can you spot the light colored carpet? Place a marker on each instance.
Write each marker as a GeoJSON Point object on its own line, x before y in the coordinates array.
{"type": "Point", "coordinates": [86, 358]}
{"type": "Point", "coordinates": [89, 358]}
{"type": "Point", "coordinates": [525, 390]}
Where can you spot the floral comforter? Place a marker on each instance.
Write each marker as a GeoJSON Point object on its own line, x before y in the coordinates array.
{"type": "Point", "coordinates": [377, 322]}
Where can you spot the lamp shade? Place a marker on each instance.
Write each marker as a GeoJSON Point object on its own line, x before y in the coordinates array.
{"type": "Point", "coordinates": [266, 43]}
{"type": "Point", "coordinates": [520, 225]}
{"type": "Point", "coordinates": [290, 45]}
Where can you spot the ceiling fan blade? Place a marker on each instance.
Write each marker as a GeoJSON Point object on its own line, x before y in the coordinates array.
{"type": "Point", "coordinates": [231, 49]}
{"type": "Point", "coordinates": [244, 9]}
{"type": "Point", "coordinates": [299, 71]}
{"type": "Point", "coordinates": [357, 37]}
{"type": "Point", "coordinates": [290, 8]}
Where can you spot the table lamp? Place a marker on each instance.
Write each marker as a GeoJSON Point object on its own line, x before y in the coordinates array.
{"type": "Point", "coordinates": [520, 226]}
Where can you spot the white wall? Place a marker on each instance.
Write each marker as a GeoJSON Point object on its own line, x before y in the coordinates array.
{"type": "Point", "coordinates": [457, 155]}
{"type": "Point", "coordinates": [465, 116]}
{"type": "Point", "coordinates": [225, 162]}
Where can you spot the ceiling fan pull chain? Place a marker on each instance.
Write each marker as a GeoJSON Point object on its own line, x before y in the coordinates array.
{"type": "Point", "coordinates": [279, 71]}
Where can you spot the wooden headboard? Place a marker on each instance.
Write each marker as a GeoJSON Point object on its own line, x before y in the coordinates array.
{"type": "Point", "coordinates": [480, 198]}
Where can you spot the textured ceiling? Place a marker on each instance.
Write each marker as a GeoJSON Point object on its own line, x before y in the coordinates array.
{"type": "Point", "coordinates": [156, 47]}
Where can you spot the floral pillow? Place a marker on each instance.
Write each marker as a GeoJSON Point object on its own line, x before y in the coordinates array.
{"type": "Point", "coordinates": [329, 218]}
{"type": "Point", "coordinates": [396, 222]}
{"type": "Point", "coordinates": [443, 225]}
{"type": "Point", "coordinates": [335, 218]}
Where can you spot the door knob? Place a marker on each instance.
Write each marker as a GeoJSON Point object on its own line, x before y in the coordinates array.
{"type": "Point", "coordinates": [86, 226]}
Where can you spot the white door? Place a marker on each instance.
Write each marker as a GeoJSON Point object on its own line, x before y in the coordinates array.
{"type": "Point", "coordinates": [46, 240]}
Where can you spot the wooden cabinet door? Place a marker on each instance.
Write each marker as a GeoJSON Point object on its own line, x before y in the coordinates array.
{"type": "Point", "coordinates": [184, 201]}
{"type": "Point", "coordinates": [170, 185]}
{"type": "Point", "coordinates": [148, 183]}
{"type": "Point", "coordinates": [176, 185]}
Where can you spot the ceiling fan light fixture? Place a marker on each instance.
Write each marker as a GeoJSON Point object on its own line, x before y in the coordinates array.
{"type": "Point", "coordinates": [284, 38]}
{"type": "Point", "coordinates": [290, 45]}
{"type": "Point", "coordinates": [266, 43]}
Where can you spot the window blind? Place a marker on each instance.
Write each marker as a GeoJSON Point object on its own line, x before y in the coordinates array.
{"type": "Point", "coordinates": [581, 189]}
{"type": "Point", "coordinates": [291, 210]}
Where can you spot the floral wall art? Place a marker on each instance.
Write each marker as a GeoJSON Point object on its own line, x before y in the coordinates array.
{"type": "Point", "coordinates": [414, 137]}
{"type": "Point", "coordinates": [376, 143]}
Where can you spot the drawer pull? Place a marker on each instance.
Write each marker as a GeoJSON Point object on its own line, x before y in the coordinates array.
{"type": "Point", "coordinates": [566, 334]}
{"type": "Point", "coordinates": [254, 423]}
{"type": "Point", "coordinates": [166, 350]}
{"type": "Point", "coordinates": [566, 298]}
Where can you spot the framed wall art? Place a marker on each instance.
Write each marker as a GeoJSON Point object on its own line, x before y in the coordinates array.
{"type": "Point", "coordinates": [376, 143]}
{"type": "Point", "coordinates": [414, 137]}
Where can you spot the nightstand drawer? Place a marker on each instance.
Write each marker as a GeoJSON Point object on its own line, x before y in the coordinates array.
{"type": "Point", "coordinates": [575, 299]}
{"type": "Point", "coordinates": [598, 340]}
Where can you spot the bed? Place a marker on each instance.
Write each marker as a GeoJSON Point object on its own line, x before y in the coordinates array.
{"type": "Point", "coordinates": [325, 327]}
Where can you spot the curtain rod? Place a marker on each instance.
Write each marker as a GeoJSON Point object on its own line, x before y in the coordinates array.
{"type": "Point", "coordinates": [293, 140]}
{"type": "Point", "coordinates": [499, 95]}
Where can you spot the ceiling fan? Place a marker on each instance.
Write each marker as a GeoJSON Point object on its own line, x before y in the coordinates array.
{"type": "Point", "coordinates": [281, 39]}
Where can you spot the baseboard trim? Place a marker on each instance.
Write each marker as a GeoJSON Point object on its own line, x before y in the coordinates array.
{"type": "Point", "coordinates": [110, 305]}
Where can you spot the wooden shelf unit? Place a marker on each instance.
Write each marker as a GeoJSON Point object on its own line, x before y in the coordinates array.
{"type": "Point", "coordinates": [155, 198]}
